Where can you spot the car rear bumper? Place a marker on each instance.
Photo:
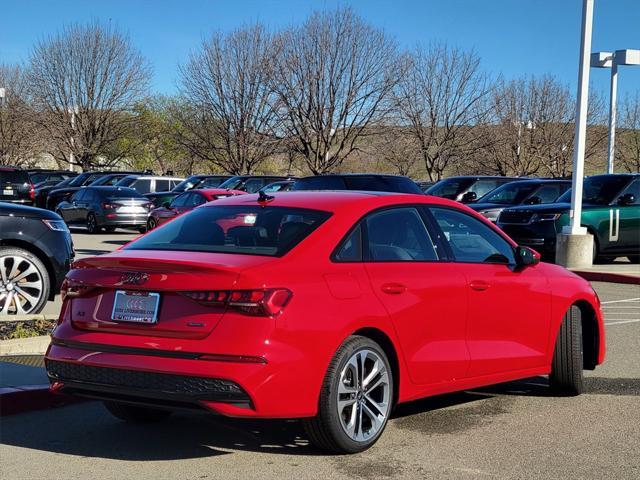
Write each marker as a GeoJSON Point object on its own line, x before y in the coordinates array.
{"type": "Point", "coordinates": [124, 220]}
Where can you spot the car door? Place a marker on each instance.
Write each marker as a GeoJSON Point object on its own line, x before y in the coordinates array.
{"type": "Point", "coordinates": [629, 218]}
{"type": "Point", "coordinates": [69, 209]}
{"type": "Point", "coordinates": [508, 307]}
{"type": "Point", "coordinates": [424, 298]}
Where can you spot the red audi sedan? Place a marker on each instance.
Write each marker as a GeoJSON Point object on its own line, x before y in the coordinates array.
{"type": "Point", "coordinates": [331, 307]}
{"type": "Point", "coordinates": [185, 202]}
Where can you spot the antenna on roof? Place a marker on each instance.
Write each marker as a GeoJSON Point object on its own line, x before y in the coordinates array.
{"type": "Point", "coordinates": [263, 197]}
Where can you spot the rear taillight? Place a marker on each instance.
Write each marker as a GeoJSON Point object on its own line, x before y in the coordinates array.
{"type": "Point", "coordinates": [267, 302]}
{"type": "Point", "coordinates": [32, 191]}
{"type": "Point", "coordinates": [110, 206]}
{"type": "Point", "coordinates": [70, 289]}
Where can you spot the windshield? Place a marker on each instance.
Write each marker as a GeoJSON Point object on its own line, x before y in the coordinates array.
{"type": "Point", "coordinates": [450, 188]}
{"type": "Point", "coordinates": [250, 229]}
{"type": "Point", "coordinates": [232, 183]}
{"type": "Point", "coordinates": [186, 184]}
{"type": "Point", "coordinates": [600, 190]}
{"type": "Point", "coordinates": [510, 194]}
{"type": "Point", "coordinates": [79, 180]}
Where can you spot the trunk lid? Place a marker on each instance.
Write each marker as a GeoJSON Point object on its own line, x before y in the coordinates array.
{"type": "Point", "coordinates": [154, 272]}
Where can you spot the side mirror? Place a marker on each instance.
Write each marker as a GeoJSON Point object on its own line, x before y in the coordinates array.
{"type": "Point", "coordinates": [167, 205]}
{"type": "Point", "coordinates": [627, 199]}
{"type": "Point", "coordinates": [526, 256]}
{"type": "Point", "coordinates": [469, 197]}
{"type": "Point", "coordinates": [533, 201]}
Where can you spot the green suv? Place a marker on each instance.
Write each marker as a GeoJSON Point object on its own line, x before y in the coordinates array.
{"type": "Point", "coordinates": [610, 211]}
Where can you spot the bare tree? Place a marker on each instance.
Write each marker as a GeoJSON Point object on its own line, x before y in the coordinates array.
{"type": "Point", "coordinates": [85, 82]}
{"type": "Point", "coordinates": [395, 147]}
{"type": "Point", "coordinates": [443, 100]}
{"type": "Point", "coordinates": [231, 119]}
{"type": "Point", "coordinates": [628, 139]}
{"type": "Point", "coordinates": [19, 135]}
{"type": "Point", "coordinates": [333, 76]}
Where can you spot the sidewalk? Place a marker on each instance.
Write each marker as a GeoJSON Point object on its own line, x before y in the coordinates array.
{"type": "Point", "coordinates": [617, 272]}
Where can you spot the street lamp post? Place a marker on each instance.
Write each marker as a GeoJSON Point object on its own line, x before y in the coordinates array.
{"type": "Point", "coordinates": [574, 246]}
{"type": "Point", "coordinates": [612, 60]}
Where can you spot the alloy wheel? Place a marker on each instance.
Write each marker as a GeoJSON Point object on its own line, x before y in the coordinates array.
{"type": "Point", "coordinates": [363, 395]}
{"type": "Point", "coordinates": [21, 285]}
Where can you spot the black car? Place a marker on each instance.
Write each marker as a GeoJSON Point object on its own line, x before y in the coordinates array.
{"type": "Point", "coordinates": [524, 192]}
{"type": "Point", "coordinates": [106, 208]}
{"type": "Point", "coordinates": [16, 186]}
{"type": "Point", "coordinates": [610, 212]}
{"type": "Point", "coordinates": [281, 186]}
{"type": "Point", "coordinates": [249, 183]}
{"type": "Point", "coordinates": [35, 254]}
{"type": "Point", "coordinates": [43, 188]}
{"type": "Point", "coordinates": [467, 189]}
{"type": "Point", "coordinates": [56, 195]}
{"type": "Point", "coordinates": [193, 182]}
{"type": "Point", "coordinates": [425, 184]}
{"type": "Point", "coordinates": [358, 181]}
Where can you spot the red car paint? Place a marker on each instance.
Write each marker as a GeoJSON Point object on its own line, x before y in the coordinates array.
{"type": "Point", "coordinates": [162, 215]}
{"type": "Point", "coordinates": [450, 325]}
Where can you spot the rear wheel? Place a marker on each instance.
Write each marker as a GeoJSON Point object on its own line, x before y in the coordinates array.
{"type": "Point", "coordinates": [92, 224]}
{"type": "Point", "coordinates": [151, 224]}
{"type": "Point", "coordinates": [355, 400]}
{"type": "Point", "coordinates": [566, 377]}
{"type": "Point", "coordinates": [135, 414]}
{"type": "Point", "coordinates": [24, 282]}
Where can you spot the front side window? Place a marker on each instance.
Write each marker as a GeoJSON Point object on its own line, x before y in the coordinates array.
{"type": "Point", "coordinates": [196, 200]}
{"type": "Point", "coordinates": [482, 187]}
{"type": "Point", "coordinates": [633, 189]}
{"type": "Point", "coordinates": [470, 240]}
{"type": "Point", "coordinates": [548, 193]}
{"type": "Point", "coordinates": [181, 200]}
{"type": "Point", "coordinates": [235, 229]}
{"type": "Point", "coordinates": [398, 235]}
{"type": "Point", "coordinates": [253, 185]}
{"type": "Point", "coordinates": [509, 194]}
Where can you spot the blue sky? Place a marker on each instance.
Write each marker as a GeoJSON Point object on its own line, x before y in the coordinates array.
{"type": "Point", "coordinates": [513, 37]}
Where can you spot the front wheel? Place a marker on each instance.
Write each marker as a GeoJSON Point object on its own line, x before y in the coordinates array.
{"type": "Point", "coordinates": [566, 377]}
{"type": "Point", "coordinates": [355, 399]}
{"type": "Point", "coordinates": [135, 414]}
{"type": "Point", "coordinates": [24, 282]}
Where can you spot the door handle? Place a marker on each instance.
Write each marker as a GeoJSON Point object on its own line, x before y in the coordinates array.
{"type": "Point", "coordinates": [393, 288]}
{"type": "Point", "coordinates": [479, 285]}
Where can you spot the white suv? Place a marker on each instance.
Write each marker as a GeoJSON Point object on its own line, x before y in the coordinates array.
{"type": "Point", "coordinates": [149, 183]}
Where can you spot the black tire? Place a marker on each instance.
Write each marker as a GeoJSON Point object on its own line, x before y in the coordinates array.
{"type": "Point", "coordinates": [136, 414]}
{"type": "Point", "coordinates": [566, 377]}
{"type": "Point", "coordinates": [634, 258]}
{"type": "Point", "coordinates": [151, 224]}
{"type": "Point", "coordinates": [325, 430]}
{"type": "Point", "coordinates": [92, 224]}
{"type": "Point", "coordinates": [41, 294]}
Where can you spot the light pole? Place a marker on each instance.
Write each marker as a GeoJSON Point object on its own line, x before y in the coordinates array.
{"type": "Point", "coordinates": [612, 60]}
{"type": "Point", "coordinates": [73, 112]}
{"type": "Point", "coordinates": [574, 246]}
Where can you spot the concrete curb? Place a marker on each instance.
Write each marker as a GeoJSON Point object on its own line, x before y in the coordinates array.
{"type": "Point", "coordinates": [28, 398]}
{"type": "Point", "coordinates": [27, 318]}
{"type": "Point", "coordinates": [608, 277]}
{"type": "Point", "coordinates": [25, 346]}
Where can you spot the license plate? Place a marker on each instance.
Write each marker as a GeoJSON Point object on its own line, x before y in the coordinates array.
{"type": "Point", "coordinates": [136, 307]}
{"type": "Point", "coordinates": [131, 210]}
{"type": "Point", "coordinates": [7, 192]}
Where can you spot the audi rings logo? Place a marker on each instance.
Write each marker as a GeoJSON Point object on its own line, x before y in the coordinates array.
{"type": "Point", "coordinates": [134, 278]}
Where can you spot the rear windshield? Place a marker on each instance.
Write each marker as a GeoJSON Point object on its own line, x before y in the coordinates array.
{"type": "Point", "coordinates": [14, 176]}
{"type": "Point", "coordinates": [120, 193]}
{"type": "Point", "coordinates": [358, 182]}
{"type": "Point", "coordinates": [599, 190]}
{"type": "Point", "coordinates": [252, 230]}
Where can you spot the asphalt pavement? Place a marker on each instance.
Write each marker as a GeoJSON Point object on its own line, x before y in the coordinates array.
{"type": "Point", "coordinates": [516, 430]}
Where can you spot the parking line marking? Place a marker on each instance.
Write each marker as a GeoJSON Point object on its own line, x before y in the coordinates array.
{"type": "Point", "coordinates": [620, 322]}
{"type": "Point", "coordinates": [622, 301]}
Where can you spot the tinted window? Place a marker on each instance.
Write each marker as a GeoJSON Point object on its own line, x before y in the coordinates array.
{"type": "Point", "coordinates": [398, 235]}
{"type": "Point", "coordinates": [251, 229]}
{"type": "Point", "coordinates": [510, 194]}
{"type": "Point", "coordinates": [232, 183]}
{"type": "Point", "coordinates": [186, 184]}
{"type": "Point", "coordinates": [120, 192]}
{"type": "Point", "coordinates": [320, 183]}
{"type": "Point", "coordinates": [634, 189]}
{"type": "Point", "coordinates": [471, 240]}
{"type": "Point", "coordinates": [253, 185]}
{"type": "Point", "coordinates": [78, 196]}
{"type": "Point", "coordinates": [449, 188]}
{"type": "Point", "coordinates": [382, 184]}
{"type": "Point", "coordinates": [163, 185]}
{"type": "Point", "coordinates": [599, 190]}
{"type": "Point", "coordinates": [79, 180]}
{"type": "Point", "coordinates": [210, 182]}
{"type": "Point", "coordinates": [482, 187]}
{"type": "Point", "coordinates": [180, 200]}
{"type": "Point", "coordinates": [126, 181]}
{"type": "Point", "coordinates": [142, 185]}
{"type": "Point", "coordinates": [548, 193]}
{"type": "Point", "coordinates": [14, 176]}
{"type": "Point", "coordinates": [196, 200]}
{"type": "Point", "coordinates": [351, 248]}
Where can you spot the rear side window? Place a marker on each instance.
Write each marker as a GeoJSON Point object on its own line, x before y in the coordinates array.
{"type": "Point", "coordinates": [142, 185]}
{"type": "Point", "coordinates": [351, 248]}
{"type": "Point", "coordinates": [253, 185]}
{"type": "Point", "coordinates": [470, 240]}
{"type": "Point", "coordinates": [236, 229]}
{"type": "Point", "coordinates": [398, 235]}
{"type": "Point", "coordinates": [163, 185]}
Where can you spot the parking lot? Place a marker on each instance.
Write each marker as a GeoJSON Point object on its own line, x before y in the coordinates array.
{"type": "Point", "coordinates": [514, 430]}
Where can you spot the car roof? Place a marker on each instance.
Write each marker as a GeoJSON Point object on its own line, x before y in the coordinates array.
{"type": "Point", "coordinates": [386, 175]}
{"type": "Point", "coordinates": [542, 181]}
{"type": "Point", "coordinates": [333, 200]}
